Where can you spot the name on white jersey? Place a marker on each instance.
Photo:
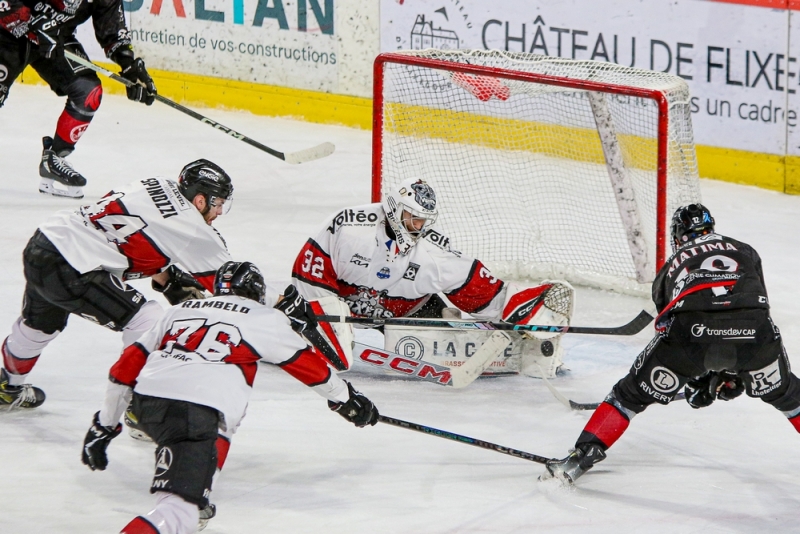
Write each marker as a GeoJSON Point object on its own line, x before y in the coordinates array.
{"type": "Point", "coordinates": [230, 306]}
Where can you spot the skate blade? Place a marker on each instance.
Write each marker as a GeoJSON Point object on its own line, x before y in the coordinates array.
{"type": "Point", "coordinates": [48, 186]}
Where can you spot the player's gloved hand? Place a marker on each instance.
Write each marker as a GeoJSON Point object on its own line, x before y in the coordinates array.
{"type": "Point", "coordinates": [700, 392]}
{"type": "Point", "coordinates": [180, 286]}
{"type": "Point", "coordinates": [96, 442]}
{"type": "Point", "coordinates": [133, 69]}
{"type": "Point", "coordinates": [358, 409]}
{"type": "Point", "coordinates": [298, 310]}
{"type": "Point", "coordinates": [43, 33]}
{"type": "Point", "coordinates": [729, 385]}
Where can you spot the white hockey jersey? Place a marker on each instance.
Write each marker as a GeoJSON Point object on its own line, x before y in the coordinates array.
{"type": "Point", "coordinates": [138, 231]}
{"type": "Point", "coordinates": [207, 352]}
{"type": "Point", "coordinates": [356, 258]}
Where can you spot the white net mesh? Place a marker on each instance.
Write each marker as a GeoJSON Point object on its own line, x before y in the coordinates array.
{"type": "Point", "coordinates": [525, 173]}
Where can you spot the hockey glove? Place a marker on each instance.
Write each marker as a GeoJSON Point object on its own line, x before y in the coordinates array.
{"type": "Point", "coordinates": [42, 33]}
{"type": "Point", "coordinates": [730, 386]}
{"type": "Point", "coordinates": [297, 309]}
{"type": "Point", "coordinates": [180, 287]}
{"type": "Point", "coordinates": [358, 409]}
{"type": "Point", "coordinates": [133, 69]}
{"type": "Point", "coordinates": [96, 442]}
{"type": "Point", "coordinates": [700, 392]}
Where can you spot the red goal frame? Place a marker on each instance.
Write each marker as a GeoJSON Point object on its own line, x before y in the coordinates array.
{"type": "Point", "coordinates": [654, 94]}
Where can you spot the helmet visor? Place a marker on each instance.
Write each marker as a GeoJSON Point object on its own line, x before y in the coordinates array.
{"type": "Point", "coordinates": [416, 223]}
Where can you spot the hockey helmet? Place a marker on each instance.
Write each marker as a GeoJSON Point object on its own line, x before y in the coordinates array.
{"type": "Point", "coordinates": [406, 205]}
{"type": "Point", "coordinates": [207, 179]}
{"type": "Point", "coordinates": [240, 278]}
{"type": "Point", "coordinates": [689, 222]}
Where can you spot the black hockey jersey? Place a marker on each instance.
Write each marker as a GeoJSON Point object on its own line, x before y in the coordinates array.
{"type": "Point", "coordinates": [710, 273]}
{"type": "Point", "coordinates": [107, 17]}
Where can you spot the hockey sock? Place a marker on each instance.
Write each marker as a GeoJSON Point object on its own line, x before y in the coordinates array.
{"type": "Point", "coordinates": [85, 95]}
{"type": "Point", "coordinates": [21, 350]}
{"type": "Point", "coordinates": [172, 515]}
{"type": "Point", "coordinates": [139, 525]}
{"type": "Point", "coordinates": [795, 422]}
{"type": "Point", "coordinates": [223, 445]}
{"type": "Point", "coordinates": [605, 426]}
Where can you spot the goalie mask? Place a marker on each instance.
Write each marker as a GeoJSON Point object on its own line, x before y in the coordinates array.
{"type": "Point", "coordinates": [410, 210]}
{"type": "Point", "coordinates": [242, 279]}
{"type": "Point", "coordinates": [208, 179]}
{"type": "Point", "coordinates": [690, 222]}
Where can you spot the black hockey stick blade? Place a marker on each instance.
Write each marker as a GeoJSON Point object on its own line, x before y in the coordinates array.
{"type": "Point", "coordinates": [583, 405]}
{"type": "Point", "coordinates": [634, 327]}
{"type": "Point", "coordinates": [463, 439]}
{"type": "Point", "coordinates": [301, 156]}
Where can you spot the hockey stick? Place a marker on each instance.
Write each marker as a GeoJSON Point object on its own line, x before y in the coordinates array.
{"type": "Point", "coordinates": [455, 377]}
{"type": "Point", "coordinates": [301, 156]}
{"type": "Point", "coordinates": [569, 403]}
{"type": "Point", "coordinates": [463, 439]}
{"type": "Point", "coordinates": [633, 327]}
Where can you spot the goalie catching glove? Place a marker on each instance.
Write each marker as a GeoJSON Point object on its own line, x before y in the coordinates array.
{"type": "Point", "coordinates": [703, 391]}
{"type": "Point", "coordinates": [180, 286]}
{"type": "Point", "coordinates": [358, 409]}
{"type": "Point", "coordinates": [96, 442]}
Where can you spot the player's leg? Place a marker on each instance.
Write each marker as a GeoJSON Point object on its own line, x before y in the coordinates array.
{"type": "Point", "coordinates": [186, 460]}
{"type": "Point", "coordinates": [84, 93]}
{"type": "Point", "coordinates": [12, 62]}
{"type": "Point", "coordinates": [656, 376]}
{"type": "Point", "coordinates": [767, 376]}
{"type": "Point", "coordinates": [40, 323]}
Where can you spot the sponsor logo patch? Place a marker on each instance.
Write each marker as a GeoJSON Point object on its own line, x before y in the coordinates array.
{"type": "Point", "coordinates": [163, 461]}
{"type": "Point", "coordinates": [663, 380]}
{"type": "Point", "coordinates": [410, 347]}
{"type": "Point", "coordinates": [766, 379]}
{"type": "Point", "coordinates": [411, 271]}
{"type": "Point", "coordinates": [360, 260]}
{"type": "Point", "coordinates": [384, 273]}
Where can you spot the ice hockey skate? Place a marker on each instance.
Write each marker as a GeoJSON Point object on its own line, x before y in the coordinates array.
{"type": "Point", "coordinates": [58, 177]}
{"type": "Point", "coordinates": [571, 468]}
{"type": "Point", "coordinates": [24, 396]}
{"type": "Point", "coordinates": [206, 514]}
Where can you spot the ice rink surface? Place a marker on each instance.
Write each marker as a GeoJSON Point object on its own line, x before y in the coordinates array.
{"type": "Point", "coordinates": [294, 467]}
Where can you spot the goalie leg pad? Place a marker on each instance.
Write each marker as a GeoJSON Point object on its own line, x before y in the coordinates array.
{"type": "Point", "coordinates": [333, 340]}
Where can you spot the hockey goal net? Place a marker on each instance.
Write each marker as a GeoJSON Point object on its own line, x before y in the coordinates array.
{"type": "Point", "coordinates": [543, 167]}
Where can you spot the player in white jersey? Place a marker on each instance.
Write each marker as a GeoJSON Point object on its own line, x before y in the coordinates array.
{"type": "Point", "coordinates": [79, 261]}
{"type": "Point", "coordinates": [387, 260]}
{"type": "Point", "coordinates": [190, 377]}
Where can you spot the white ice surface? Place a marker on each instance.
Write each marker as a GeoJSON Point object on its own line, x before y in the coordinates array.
{"type": "Point", "coordinates": [295, 467]}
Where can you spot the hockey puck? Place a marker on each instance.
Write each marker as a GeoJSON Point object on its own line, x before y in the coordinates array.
{"type": "Point", "coordinates": [547, 348]}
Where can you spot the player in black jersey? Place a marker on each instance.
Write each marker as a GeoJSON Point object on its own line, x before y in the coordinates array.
{"type": "Point", "coordinates": [714, 337]}
{"type": "Point", "coordinates": [36, 33]}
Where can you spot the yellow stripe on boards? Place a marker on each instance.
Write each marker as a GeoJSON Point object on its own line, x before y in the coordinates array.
{"type": "Point", "coordinates": [188, 89]}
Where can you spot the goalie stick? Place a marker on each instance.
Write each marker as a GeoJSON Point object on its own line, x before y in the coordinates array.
{"type": "Point", "coordinates": [301, 156]}
{"type": "Point", "coordinates": [634, 327]}
{"type": "Point", "coordinates": [455, 377]}
{"type": "Point", "coordinates": [463, 439]}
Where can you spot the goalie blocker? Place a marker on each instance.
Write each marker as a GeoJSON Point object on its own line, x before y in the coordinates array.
{"type": "Point", "coordinates": [535, 354]}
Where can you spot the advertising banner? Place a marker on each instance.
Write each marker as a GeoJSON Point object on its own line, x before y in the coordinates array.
{"type": "Point", "coordinates": [738, 60]}
{"type": "Point", "coordinates": [288, 43]}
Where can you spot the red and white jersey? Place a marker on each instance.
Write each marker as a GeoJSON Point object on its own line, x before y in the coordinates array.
{"type": "Point", "coordinates": [207, 352]}
{"type": "Point", "coordinates": [356, 258]}
{"type": "Point", "coordinates": [138, 231]}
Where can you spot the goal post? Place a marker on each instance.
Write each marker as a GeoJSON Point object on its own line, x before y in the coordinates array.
{"type": "Point", "coordinates": [543, 167]}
